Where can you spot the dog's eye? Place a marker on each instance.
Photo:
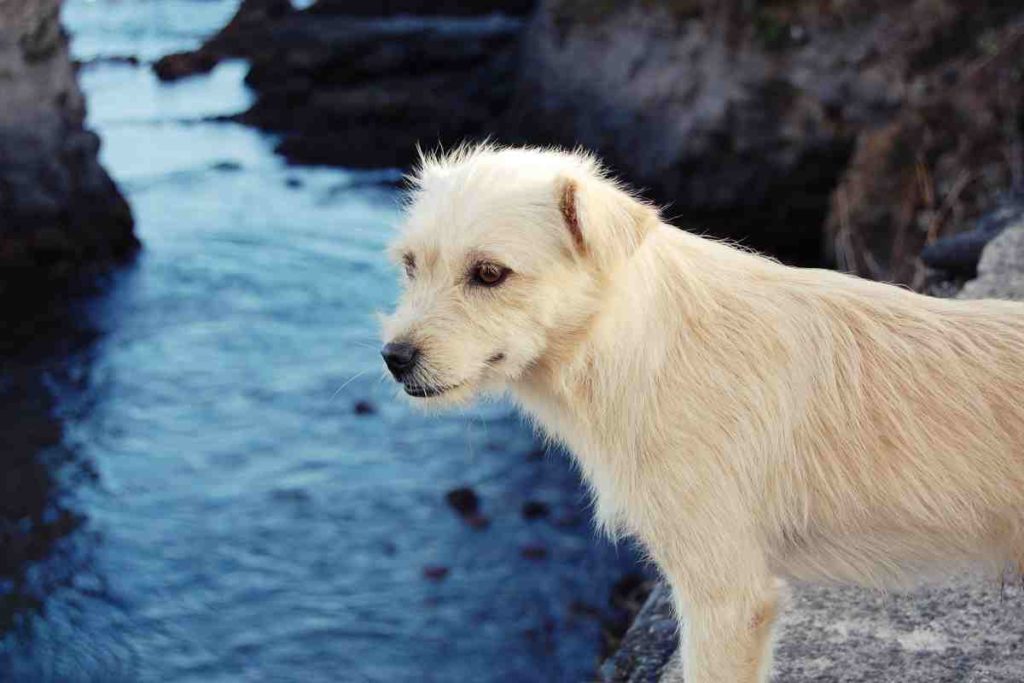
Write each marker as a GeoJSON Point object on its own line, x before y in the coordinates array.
{"type": "Point", "coordinates": [489, 274]}
{"type": "Point", "coordinates": [409, 261]}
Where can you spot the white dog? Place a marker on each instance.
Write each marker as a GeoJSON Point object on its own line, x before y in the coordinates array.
{"type": "Point", "coordinates": [745, 420]}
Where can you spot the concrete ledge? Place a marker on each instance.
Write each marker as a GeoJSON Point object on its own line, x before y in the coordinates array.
{"type": "Point", "coordinates": [969, 632]}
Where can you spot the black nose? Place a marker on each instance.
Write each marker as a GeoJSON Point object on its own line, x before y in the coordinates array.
{"type": "Point", "coordinates": [400, 357]}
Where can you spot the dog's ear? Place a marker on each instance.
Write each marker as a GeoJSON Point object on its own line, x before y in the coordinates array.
{"type": "Point", "coordinates": [604, 222]}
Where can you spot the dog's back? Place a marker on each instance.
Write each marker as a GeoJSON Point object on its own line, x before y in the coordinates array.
{"type": "Point", "coordinates": [888, 427]}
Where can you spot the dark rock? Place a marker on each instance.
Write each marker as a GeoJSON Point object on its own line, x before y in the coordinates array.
{"type": "Point", "coordinates": [435, 572]}
{"type": "Point", "coordinates": [535, 509]}
{"type": "Point", "coordinates": [464, 501]}
{"type": "Point", "coordinates": [958, 254]}
{"type": "Point", "coordinates": [227, 166]}
{"type": "Point", "coordinates": [536, 454]}
{"type": "Point", "coordinates": [387, 86]}
{"type": "Point", "coordinates": [60, 213]}
{"type": "Point", "coordinates": [628, 596]}
{"type": "Point", "coordinates": [252, 24]}
{"type": "Point", "coordinates": [248, 31]}
{"type": "Point", "coordinates": [293, 182]}
{"type": "Point", "coordinates": [364, 408]}
{"type": "Point", "coordinates": [534, 551]}
{"type": "Point", "coordinates": [477, 521]}
{"type": "Point", "coordinates": [630, 592]}
{"type": "Point", "coordinates": [648, 644]}
{"type": "Point", "coordinates": [181, 64]}
{"type": "Point", "coordinates": [128, 60]}
{"type": "Point", "coordinates": [1001, 268]}
{"type": "Point", "coordinates": [749, 140]}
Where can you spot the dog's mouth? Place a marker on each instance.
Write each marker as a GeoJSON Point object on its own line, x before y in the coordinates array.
{"type": "Point", "coordinates": [421, 391]}
{"type": "Point", "coordinates": [430, 390]}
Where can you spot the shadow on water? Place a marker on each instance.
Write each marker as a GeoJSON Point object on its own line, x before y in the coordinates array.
{"type": "Point", "coordinates": [45, 540]}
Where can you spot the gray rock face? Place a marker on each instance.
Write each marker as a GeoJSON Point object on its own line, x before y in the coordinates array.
{"type": "Point", "coordinates": [1001, 269]}
{"type": "Point", "coordinates": [853, 131]}
{"type": "Point", "coordinates": [59, 210]}
{"type": "Point", "coordinates": [971, 630]}
{"type": "Point", "coordinates": [365, 92]}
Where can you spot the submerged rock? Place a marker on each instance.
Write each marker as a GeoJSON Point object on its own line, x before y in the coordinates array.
{"type": "Point", "coordinates": [59, 210]}
{"type": "Point", "coordinates": [364, 407]}
{"type": "Point", "coordinates": [466, 503]}
{"type": "Point", "coordinates": [463, 500]}
{"type": "Point", "coordinates": [534, 551]}
{"type": "Point", "coordinates": [435, 572]}
{"type": "Point", "coordinates": [180, 64]}
{"type": "Point", "coordinates": [535, 509]}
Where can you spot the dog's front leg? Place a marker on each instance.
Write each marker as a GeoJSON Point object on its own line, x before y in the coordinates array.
{"type": "Point", "coordinates": [727, 620]}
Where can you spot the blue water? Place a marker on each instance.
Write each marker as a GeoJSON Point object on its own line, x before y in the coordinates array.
{"type": "Point", "coordinates": [215, 508]}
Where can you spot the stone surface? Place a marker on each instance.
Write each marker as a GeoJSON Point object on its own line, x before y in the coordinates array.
{"type": "Point", "coordinates": [833, 131]}
{"type": "Point", "coordinates": [1001, 269]}
{"type": "Point", "coordinates": [253, 25]}
{"type": "Point", "coordinates": [59, 210]}
{"type": "Point", "coordinates": [970, 630]}
{"type": "Point", "coordinates": [365, 92]}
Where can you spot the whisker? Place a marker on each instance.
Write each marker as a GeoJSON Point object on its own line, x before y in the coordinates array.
{"type": "Point", "coordinates": [351, 379]}
{"type": "Point", "coordinates": [365, 344]}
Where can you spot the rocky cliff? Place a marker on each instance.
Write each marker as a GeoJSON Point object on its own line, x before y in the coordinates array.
{"type": "Point", "coordinates": [59, 210]}
{"type": "Point", "coordinates": [825, 132]}
{"type": "Point", "coordinates": [848, 133]}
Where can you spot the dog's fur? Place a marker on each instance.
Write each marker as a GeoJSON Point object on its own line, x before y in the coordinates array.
{"type": "Point", "coordinates": [745, 420]}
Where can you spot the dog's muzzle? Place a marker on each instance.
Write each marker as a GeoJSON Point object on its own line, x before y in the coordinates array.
{"type": "Point", "coordinates": [401, 359]}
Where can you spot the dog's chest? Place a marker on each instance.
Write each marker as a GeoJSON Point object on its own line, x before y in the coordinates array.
{"type": "Point", "coordinates": [601, 464]}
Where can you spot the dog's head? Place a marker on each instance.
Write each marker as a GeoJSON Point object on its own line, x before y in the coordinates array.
{"type": "Point", "coordinates": [506, 254]}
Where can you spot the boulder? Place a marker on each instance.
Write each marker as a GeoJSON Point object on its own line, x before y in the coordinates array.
{"type": "Point", "coordinates": [59, 210]}
{"type": "Point", "coordinates": [1001, 269]}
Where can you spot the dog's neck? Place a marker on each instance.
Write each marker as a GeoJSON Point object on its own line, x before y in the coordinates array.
{"type": "Point", "coordinates": [596, 399]}
{"type": "Point", "coordinates": [578, 377]}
